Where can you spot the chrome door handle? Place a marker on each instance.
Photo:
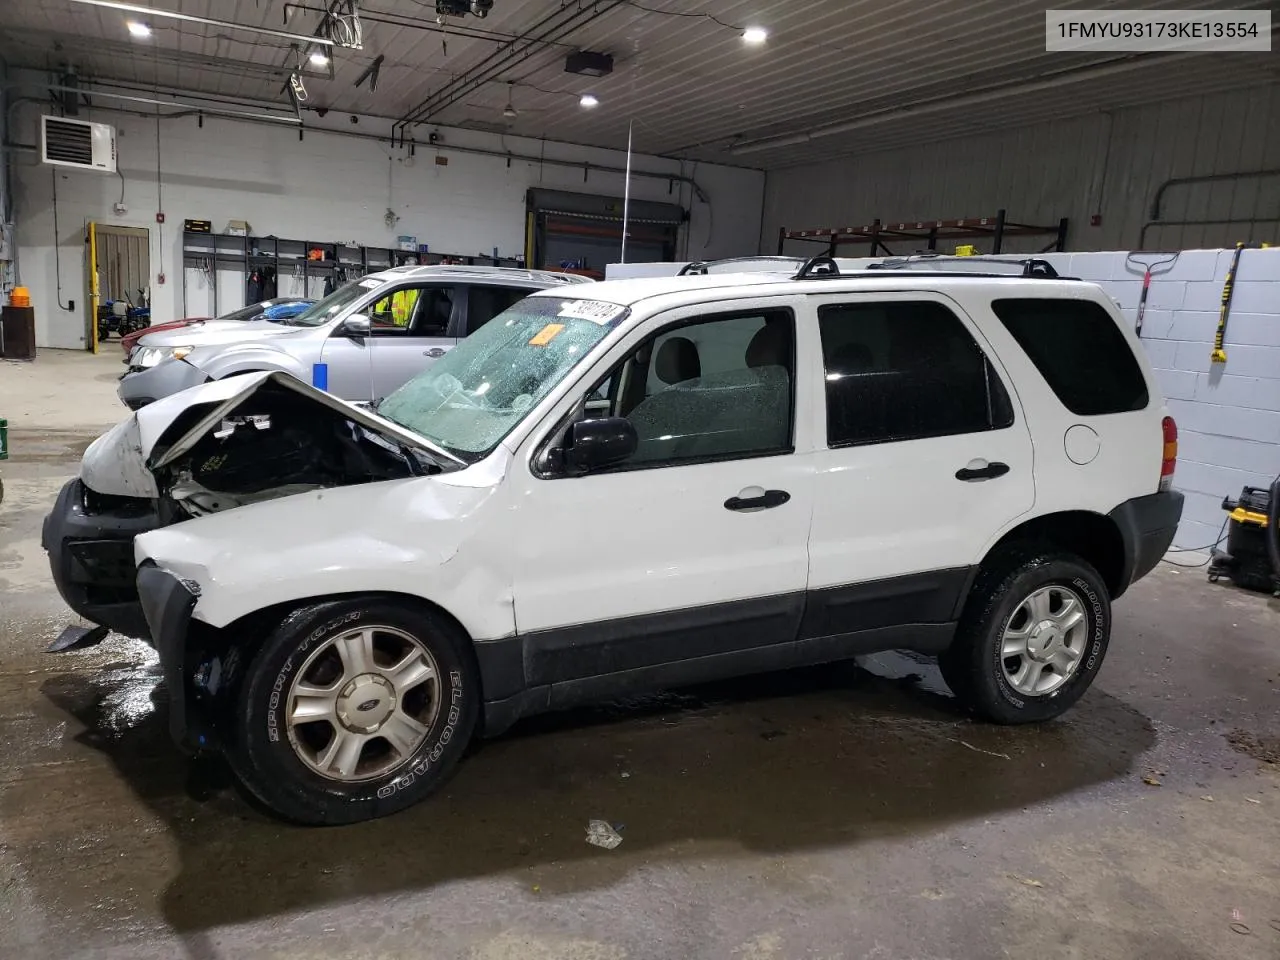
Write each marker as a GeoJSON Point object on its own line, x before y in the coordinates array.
{"type": "Point", "coordinates": [434, 352]}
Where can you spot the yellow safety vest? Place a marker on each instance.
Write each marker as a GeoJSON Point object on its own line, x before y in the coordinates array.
{"type": "Point", "coordinates": [402, 302]}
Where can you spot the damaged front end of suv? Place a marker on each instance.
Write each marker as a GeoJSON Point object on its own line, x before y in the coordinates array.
{"type": "Point", "coordinates": [223, 445]}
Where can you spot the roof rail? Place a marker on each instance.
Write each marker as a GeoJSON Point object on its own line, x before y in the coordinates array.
{"type": "Point", "coordinates": [820, 266]}
{"type": "Point", "coordinates": [702, 267]}
{"type": "Point", "coordinates": [1031, 266]}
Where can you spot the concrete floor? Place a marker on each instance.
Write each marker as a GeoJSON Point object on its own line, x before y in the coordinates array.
{"type": "Point", "coordinates": [846, 812]}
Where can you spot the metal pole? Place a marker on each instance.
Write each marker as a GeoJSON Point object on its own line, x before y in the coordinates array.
{"type": "Point", "coordinates": [626, 194]}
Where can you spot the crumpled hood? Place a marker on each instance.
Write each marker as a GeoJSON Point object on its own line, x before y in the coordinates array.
{"type": "Point", "coordinates": [121, 461]}
{"type": "Point", "coordinates": [325, 542]}
{"type": "Point", "coordinates": [206, 333]}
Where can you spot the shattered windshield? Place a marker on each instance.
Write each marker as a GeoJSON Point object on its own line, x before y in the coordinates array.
{"type": "Point", "coordinates": [470, 398]}
{"type": "Point", "coordinates": [322, 311]}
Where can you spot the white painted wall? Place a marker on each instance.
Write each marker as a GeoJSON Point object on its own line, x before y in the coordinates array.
{"type": "Point", "coordinates": [330, 188]}
{"type": "Point", "coordinates": [1072, 168]}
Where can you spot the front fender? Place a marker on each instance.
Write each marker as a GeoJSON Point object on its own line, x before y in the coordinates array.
{"type": "Point", "coordinates": [249, 358]}
{"type": "Point", "coordinates": [399, 536]}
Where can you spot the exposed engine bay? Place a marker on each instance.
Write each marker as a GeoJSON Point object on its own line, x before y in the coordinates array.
{"type": "Point", "coordinates": [279, 443]}
{"type": "Point", "coordinates": [223, 445]}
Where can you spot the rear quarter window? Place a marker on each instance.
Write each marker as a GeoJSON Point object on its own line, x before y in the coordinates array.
{"type": "Point", "coordinates": [1080, 352]}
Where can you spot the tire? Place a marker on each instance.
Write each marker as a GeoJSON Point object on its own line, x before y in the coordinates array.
{"type": "Point", "coordinates": [279, 757]}
{"type": "Point", "coordinates": [1019, 591]}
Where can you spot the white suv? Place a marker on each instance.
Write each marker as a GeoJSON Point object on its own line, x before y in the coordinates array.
{"type": "Point", "coordinates": [631, 485]}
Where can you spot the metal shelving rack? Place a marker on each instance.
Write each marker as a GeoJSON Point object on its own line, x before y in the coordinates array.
{"type": "Point", "coordinates": [212, 251]}
{"type": "Point", "coordinates": [931, 232]}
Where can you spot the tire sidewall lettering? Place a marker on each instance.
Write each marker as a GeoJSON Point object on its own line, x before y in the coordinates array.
{"type": "Point", "coordinates": [1099, 619]}
{"type": "Point", "coordinates": [287, 668]}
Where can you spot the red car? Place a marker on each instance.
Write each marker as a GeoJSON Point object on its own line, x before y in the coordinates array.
{"type": "Point", "coordinates": [128, 340]}
{"type": "Point", "coordinates": [280, 308]}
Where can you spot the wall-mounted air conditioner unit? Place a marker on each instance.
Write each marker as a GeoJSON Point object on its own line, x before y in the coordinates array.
{"type": "Point", "coordinates": [78, 143]}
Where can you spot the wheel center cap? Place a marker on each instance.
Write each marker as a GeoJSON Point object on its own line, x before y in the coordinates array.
{"type": "Point", "coordinates": [365, 703]}
{"type": "Point", "coordinates": [1044, 641]}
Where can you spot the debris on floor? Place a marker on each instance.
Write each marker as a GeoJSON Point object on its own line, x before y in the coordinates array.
{"type": "Point", "coordinates": [989, 753]}
{"type": "Point", "coordinates": [1026, 881]}
{"type": "Point", "coordinates": [1151, 781]}
{"type": "Point", "coordinates": [1265, 749]}
{"type": "Point", "coordinates": [600, 833]}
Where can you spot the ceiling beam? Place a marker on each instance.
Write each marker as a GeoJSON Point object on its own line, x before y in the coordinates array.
{"type": "Point", "coordinates": [557, 25]}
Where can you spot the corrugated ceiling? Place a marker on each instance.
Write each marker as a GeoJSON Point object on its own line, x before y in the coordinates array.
{"type": "Point", "coordinates": [682, 71]}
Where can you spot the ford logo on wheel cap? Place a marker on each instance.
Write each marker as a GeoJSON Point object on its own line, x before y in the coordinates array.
{"type": "Point", "coordinates": [367, 705]}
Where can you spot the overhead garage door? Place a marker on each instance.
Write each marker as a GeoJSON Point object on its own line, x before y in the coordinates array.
{"type": "Point", "coordinates": [583, 232]}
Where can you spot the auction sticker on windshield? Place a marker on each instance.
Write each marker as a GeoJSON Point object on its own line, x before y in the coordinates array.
{"type": "Point", "coordinates": [597, 311]}
{"type": "Point", "coordinates": [546, 334]}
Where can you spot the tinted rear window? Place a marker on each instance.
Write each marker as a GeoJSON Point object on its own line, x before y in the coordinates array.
{"type": "Point", "coordinates": [905, 370]}
{"type": "Point", "coordinates": [1080, 352]}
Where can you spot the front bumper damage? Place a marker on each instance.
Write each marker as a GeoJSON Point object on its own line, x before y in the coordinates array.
{"type": "Point", "coordinates": [90, 544]}
{"type": "Point", "coordinates": [89, 539]}
{"type": "Point", "coordinates": [167, 603]}
{"type": "Point", "coordinates": [141, 387]}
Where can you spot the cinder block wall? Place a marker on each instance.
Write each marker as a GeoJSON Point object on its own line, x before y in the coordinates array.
{"type": "Point", "coordinates": [1228, 414]}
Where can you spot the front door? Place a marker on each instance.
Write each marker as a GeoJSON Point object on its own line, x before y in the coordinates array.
{"type": "Point", "coordinates": [410, 329]}
{"type": "Point", "coordinates": [696, 546]}
{"type": "Point", "coordinates": [927, 458]}
{"type": "Point", "coordinates": [347, 360]}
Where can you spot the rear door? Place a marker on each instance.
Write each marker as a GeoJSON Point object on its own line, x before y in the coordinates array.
{"type": "Point", "coordinates": [927, 457]}
{"type": "Point", "coordinates": [411, 328]}
{"type": "Point", "coordinates": [484, 302]}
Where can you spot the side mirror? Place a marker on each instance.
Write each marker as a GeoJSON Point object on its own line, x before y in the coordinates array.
{"type": "Point", "coordinates": [600, 443]}
{"type": "Point", "coordinates": [357, 326]}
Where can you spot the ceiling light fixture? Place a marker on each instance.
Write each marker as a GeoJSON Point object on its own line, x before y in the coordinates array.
{"type": "Point", "coordinates": [189, 18]}
{"type": "Point", "coordinates": [319, 59]}
{"type": "Point", "coordinates": [588, 101]}
{"type": "Point", "coordinates": [587, 63]}
{"type": "Point", "coordinates": [138, 29]}
{"type": "Point", "coordinates": [755, 35]}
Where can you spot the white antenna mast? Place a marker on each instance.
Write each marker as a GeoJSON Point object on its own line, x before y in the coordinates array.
{"type": "Point", "coordinates": [626, 194]}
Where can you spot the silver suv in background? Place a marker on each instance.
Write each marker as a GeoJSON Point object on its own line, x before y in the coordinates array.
{"type": "Point", "coordinates": [372, 334]}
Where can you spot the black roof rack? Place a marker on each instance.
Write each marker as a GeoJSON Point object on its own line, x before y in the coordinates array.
{"type": "Point", "coordinates": [824, 267]}
{"type": "Point", "coordinates": [1031, 266]}
{"type": "Point", "coordinates": [702, 267]}
{"type": "Point", "coordinates": [820, 266]}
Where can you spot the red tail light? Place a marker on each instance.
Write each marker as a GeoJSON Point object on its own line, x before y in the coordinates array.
{"type": "Point", "coordinates": [1170, 456]}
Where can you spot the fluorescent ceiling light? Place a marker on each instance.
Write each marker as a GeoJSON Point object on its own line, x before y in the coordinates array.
{"type": "Point", "coordinates": [189, 18]}
{"type": "Point", "coordinates": [755, 35]}
{"type": "Point", "coordinates": [319, 59]}
{"type": "Point", "coordinates": [138, 29]}
{"type": "Point", "coordinates": [589, 100]}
